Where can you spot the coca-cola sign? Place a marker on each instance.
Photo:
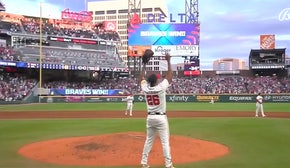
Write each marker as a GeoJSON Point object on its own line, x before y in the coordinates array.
{"type": "Point", "coordinates": [82, 16]}
{"type": "Point", "coordinates": [284, 15]}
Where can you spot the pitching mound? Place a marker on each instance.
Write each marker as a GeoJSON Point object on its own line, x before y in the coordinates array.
{"type": "Point", "coordinates": [120, 149]}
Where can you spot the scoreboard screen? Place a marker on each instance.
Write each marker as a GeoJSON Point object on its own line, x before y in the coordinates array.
{"type": "Point", "coordinates": [191, 66]}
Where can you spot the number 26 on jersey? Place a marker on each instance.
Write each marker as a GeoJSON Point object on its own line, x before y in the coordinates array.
{"type": "Point", "coordinates": [153, 100]}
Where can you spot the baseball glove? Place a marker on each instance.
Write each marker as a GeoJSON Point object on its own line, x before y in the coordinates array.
{"type": "Point", "coordinates": [147, 55]}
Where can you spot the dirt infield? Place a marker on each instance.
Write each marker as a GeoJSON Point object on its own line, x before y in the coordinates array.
{"type": "Point", "coordinates": [123, 148]}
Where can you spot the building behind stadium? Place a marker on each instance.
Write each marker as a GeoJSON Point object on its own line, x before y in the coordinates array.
{"type": "Point", "coordinates": [117, 11]}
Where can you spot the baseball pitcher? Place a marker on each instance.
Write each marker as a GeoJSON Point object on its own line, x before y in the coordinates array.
{"type": "Point", "coordinates": [156, 118]}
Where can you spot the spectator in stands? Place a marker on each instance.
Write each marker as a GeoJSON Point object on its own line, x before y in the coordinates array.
{"type": "Point", "coordinates": [199, 85]}
{"type": "Point", "coordinates": [7, 53]}
{"type": "Point", "coordinates": [15, 88]}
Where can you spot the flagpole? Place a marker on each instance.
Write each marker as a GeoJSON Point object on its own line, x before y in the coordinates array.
{"type": "Point", "coordinates": [40, 52]}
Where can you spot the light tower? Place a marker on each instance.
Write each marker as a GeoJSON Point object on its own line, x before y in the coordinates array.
{"type": "Point", "coordinates": [191, 11]}
{"type": "Point", "coordinates": [134, 17]}
{"type": "Point", "coordinates": [192, 15]}
{"type": "Point", "coordinates": [2, 6]}
{"type": "Point", "coordinates": [134, 7]}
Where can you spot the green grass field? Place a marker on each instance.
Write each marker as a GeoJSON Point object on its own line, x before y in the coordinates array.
{"type": "Point", "coordinates": [253, 142]}
{"type": "Point", "coordinates": [272, 107]}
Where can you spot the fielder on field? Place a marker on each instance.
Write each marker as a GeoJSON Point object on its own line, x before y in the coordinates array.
{"type": "Point", "coordinates": [130, 102]}
{"type": "Point", "coordinates": [156, 108]}
{"type": "Point", "coordinates": [211, 100]}
{"type": "Point", "coordinates": [259, 105]}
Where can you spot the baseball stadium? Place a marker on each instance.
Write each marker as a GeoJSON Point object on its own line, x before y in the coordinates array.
{"type": "Point", "coordinates": [64, 83]}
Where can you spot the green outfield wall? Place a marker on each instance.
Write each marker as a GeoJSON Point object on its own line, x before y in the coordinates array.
{"type": "Point", "coordinates": [186, 98]}
{"type": "Point", "coordinates": [285, 98]}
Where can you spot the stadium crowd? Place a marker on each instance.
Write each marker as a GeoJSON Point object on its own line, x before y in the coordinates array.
{"type": "Point", "coordinates": [217, 85]}
{"type": "Point", "coordinates": [27, 26]}
{"type": "Point", "coordinates": [229, 85]}
{"type": "Point", "coordinates": [16, 88]}
{"type": "Point", "coordinates": [7, 53]}
{"type": "Point", "coordinates": [13, 88]}
{"type": "Point", "coordinates": [55, 27]}
{"type": "Point", "coordinates": [128, 84]}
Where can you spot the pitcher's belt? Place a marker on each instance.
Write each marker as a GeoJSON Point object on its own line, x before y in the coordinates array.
{"type": "Point", "coordinates": [156, 113]}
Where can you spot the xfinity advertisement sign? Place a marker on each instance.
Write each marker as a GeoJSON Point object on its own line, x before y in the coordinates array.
{"type": "Point", "coordinates": [175, 50]}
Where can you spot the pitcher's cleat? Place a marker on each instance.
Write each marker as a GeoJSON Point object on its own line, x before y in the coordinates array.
{"type": "Point", "coordinates": [145, 166]}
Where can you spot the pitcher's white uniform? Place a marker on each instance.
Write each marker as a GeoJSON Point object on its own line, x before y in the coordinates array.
{"type": "Point", "coordinates": [130, 100]}
{"type": "Point", "coordinates": [259, 105]}
{"type": "Point", "coordinates": [156, 119]}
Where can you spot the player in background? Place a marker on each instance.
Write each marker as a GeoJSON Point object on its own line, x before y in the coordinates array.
{"type": "Point", "coordinates": [155, 96]}
{"type": "Point", "coordinates": [211, 100]}
{"type": "Point", "coordinates": [259, 105]}
{"type": "Point", "coordinates": [130, 102]}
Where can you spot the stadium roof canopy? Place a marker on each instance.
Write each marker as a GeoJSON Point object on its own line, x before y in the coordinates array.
{"type": "Point", "coordinates": [257, 52]}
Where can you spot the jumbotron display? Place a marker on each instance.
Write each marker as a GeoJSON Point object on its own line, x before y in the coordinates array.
{"type": "Point", "coordinates": [177, 39]}
{"type": "Point", "coordinates": [180, 40]}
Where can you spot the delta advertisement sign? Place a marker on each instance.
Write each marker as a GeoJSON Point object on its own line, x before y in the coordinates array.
{"type": "Point", "coordinates": [163, 37]}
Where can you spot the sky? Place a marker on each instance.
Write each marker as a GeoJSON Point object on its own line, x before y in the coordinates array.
{"type": "Point", "coordinates": [228, 28]}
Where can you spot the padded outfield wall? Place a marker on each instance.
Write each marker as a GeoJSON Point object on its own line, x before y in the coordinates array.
{"type": "Point", "coordinates": [186, 98]}
{"type": "Point", "coordinates": [118, 95]}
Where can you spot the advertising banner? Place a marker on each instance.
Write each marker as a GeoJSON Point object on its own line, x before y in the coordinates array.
{"type": "Point", "coordinates": [172, 98]}
{"type": "Point", "coordinates": [110, 25]}
{"type": "Point", "coordinates": [86, 92]}
{"type": "Point", "coordinates": [238, 98]}
{"type": "Point", "coordinates": [7, 63]}
{"type": "Point", "coordinates": [60, 66]}
{"type": "Point", "coordinates": [220, 98]}
{"type": "Point", "coordinates": [267, 41]}
{"type": "Point", "coordinates": [175, 50]}
{"type": "Point", "coordinates": [207, 98]}
{"type": "Point", "coordinates": [72, 40]}
{"type": "Point", "coordinates": [82, 16]}
{"type": "Point", "coordinates": [278, 98]}
{"type": "Point", "coordinates": [134, 51]}
{"type": "Point", "coordinates": [13, 64]}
